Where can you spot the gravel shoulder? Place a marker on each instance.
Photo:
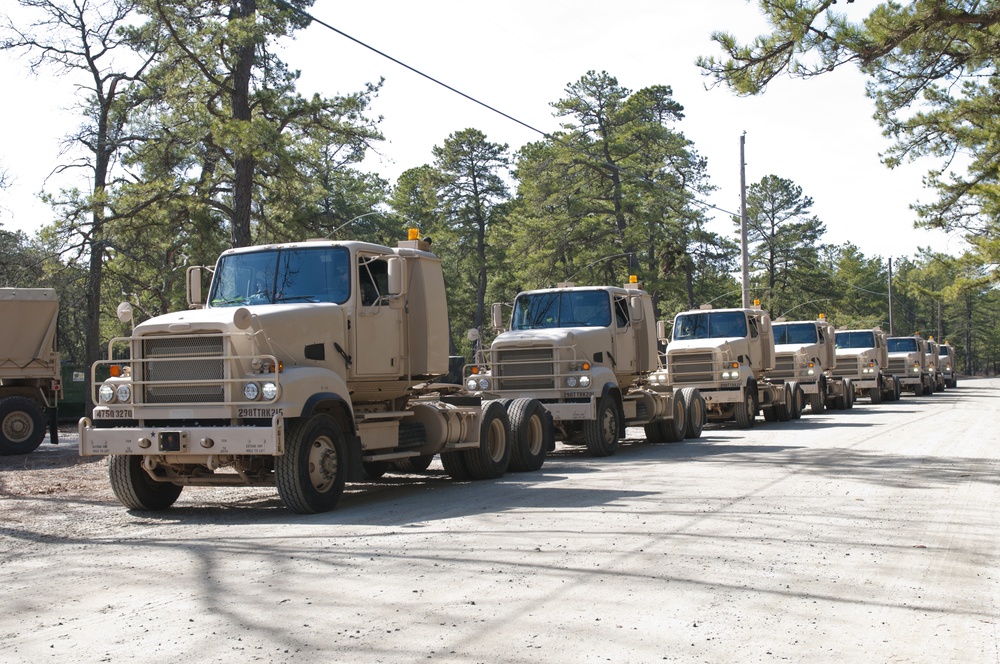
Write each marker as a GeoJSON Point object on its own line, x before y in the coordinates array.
{"type": "Point", "coordinates": [865, 535]}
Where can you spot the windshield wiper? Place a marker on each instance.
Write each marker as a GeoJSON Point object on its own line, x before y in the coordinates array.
{"type": "Point", "coordinates": [289, 298]}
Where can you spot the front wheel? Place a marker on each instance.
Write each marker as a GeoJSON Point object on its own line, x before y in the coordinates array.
{"type": "Point", "coordinates": [313, 470]}
{"type": "Point", "coordinates": [135, 489]}
{"type": "Point", "coordinates": [798, 400]}
{"type": "Point", "coordinates": [695, 420]}
{"type": "Point", "coordinates": [22, 426]}
{"type": "Point", "coordinates": [531, 434]}
{"type": "Point", "coordinates": [601, 434]}
{"type": "Point", "coordinates": [745, 412]}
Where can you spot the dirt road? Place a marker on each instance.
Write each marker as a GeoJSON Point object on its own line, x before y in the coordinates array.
{"type": "Point", "coordinates": [866, 535]}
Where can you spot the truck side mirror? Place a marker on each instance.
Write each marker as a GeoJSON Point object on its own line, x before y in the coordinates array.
{"type": "Point", "coordinates": [395, 276]}
{"type": "Point", "coordinates": [661, 330]}
{"type": "Point", "coordinates": [194, 295]}
{"type": "Point", "coordinates": [497, 312]}
{"type": "Point", "coordinates": [635, 309]}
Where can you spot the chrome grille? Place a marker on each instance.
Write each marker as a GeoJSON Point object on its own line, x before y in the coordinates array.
{"type": "Point", "coordinates": [784, 367]}
{"type": "Point", "coordinates": [525, 369]}
{"type": "Point", "coordinates": [897, 365]}
{"type": "Point", "coordinates": [690, 368]}
{"type": "Point", "coordinates": [847, 366]}
{"type": "Point", "coordinates": [183, 369]}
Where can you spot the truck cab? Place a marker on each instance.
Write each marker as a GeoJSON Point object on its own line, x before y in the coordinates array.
{"type": "Point", "coordinates": [805, 352]}
{"type": "Point", "coordinates": [728, 354]}
{"type": "Point", "coordinates": [948, 368]}
{"type": "Point", "coordinates": [934, 366]}
{"type": "Point", "coordinates": [585, 353]}
{"type": "Point", "coordinates": [907, 358]}
{"type": "Point", "coordinates": [862, 357]}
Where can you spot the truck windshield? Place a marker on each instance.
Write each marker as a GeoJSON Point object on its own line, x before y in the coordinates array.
{"type": "Point", "coordinates": [902, 345]}
{"type": "Point", "coordinates": [942, 351]}
{"type": "Point", "coordinates": [855, 340]}
{"type": "Point", "coordinates": [270, 276]}
{"type": "Point", "coordinates": [794, 333]}
{"type": "Point", "coordinates": [534, 311]}
{"type": "Point", "coordinates": [710, 325]}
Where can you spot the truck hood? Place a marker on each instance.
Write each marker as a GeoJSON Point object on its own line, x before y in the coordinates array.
{"type": "Point", "coordinates": [558, 336]}
{"type": "Point", "coordinates": [729, 348]}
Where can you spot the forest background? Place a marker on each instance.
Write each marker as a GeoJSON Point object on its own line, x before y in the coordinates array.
{"type": "Point", "coordinates": [193, 136]}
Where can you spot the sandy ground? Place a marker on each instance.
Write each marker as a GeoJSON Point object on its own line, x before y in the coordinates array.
{"type": "Point", "coordinates": [866, 535]}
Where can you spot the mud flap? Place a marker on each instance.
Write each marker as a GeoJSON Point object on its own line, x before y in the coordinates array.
{"type": "Point", "coordinates": [53, 426]}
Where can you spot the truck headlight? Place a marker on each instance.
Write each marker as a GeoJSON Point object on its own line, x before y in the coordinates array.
{"type": "Point", "coordinates": [472, 384]}
{"type": "Point", "coordinates": [484, 384]}
{"type": "Point", "coordinates": [584, 381]}
{"type": "Point", "coordinates": [251, 391]}
{"type": "Point", "coordinates": [810, 372]}
{"type": "Point", "coordinates": [269, 391]}
{"type": "Point", "coordinates": [916, 368]}
{"type": "Point", "coordinates": [106, 393]}
{"type": "Point", "coordinates": [730, 375]}
{"type": "Point", "coordinates": [124, 393]}
{"type": "Point", "coordinates": [571, 381]}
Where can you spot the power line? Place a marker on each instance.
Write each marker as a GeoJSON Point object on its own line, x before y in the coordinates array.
{"type": "Point", "coordinates": [469, 97]}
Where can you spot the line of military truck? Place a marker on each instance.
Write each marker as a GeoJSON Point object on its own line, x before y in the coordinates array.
{"type": "Point", "coordinates": [313, 364]}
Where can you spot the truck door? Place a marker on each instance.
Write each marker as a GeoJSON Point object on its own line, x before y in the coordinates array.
{"type": "Point", "coordinates": [378, 324]}
{"type": "Point", "coordinates": [624, 337]}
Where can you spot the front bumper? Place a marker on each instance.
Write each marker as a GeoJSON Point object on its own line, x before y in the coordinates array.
{"type": "Point", "coordinates": [195, 441]}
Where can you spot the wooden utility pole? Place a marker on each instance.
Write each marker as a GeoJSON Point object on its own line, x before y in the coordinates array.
{"type": "Point", "coordinates": [743, 224]}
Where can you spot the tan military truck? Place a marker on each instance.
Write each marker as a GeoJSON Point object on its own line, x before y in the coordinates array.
{"type": "Point", "coordinates": [728, 354]}
{"type": "Point", "coordinates": [862, 357]}
{"type": "Point", "coordinates": [949, 370]}
{"type": "Point", "coordinates": [30, 381]}
{"type": "Point", "coordinates": [934, 366]}
{"type": "Point", "coordinates": [309, 365]}
{"type": "Point", "coordinates": [587, 354]}
{"type": "Point", "coordinates": [805, 352]}
{"type": "Point", "coordinates": [907, 358]}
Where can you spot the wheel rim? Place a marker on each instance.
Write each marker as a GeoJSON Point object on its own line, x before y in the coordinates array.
{"type": "Point", "coordinates": [18, 427]}
{"type": "Point", "coordinates": [322, 464]}
{"type": "Point", "coordinates": [536, 437]}
{"type": "Point", "coordinates": [697, 414]}
{"type": "Point", "coordinates": [609, 426]}
{"type": "Point", "coordinates": [495, 440]}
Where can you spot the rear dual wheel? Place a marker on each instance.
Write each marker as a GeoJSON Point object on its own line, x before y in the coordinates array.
{"type": "Point", "coordinates": [672, 430]}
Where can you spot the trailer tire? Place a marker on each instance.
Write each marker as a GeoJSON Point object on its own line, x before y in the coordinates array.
{"type": "Point", "coordinates": [696, 411]}
{"type": "Point", "coordinates": [417, 464]}
{"type": "Point", "coordinates": [745, 412]}
{"type": "Point", "coordinates": [672, 430]}
{"type": "Point", "coordinates": [531, 434]}
{"type": "Point", "coordinates": [798, 400]}
{"type": "Point", "coordinates": [490, 460]}
{"type": "Point", "coordinates": [311, 474]}
{"type": "Point", "coordinates": [22, 426]}
{"type": "Point", "coordinates": [783, 411]}
{"type": "Point", "coordinates": [135, 489]}
{"type": "Point", "coordinates": [375, 469]}
{"type": "Point", "coordinates": [817, 402]}
{"type": "Point", "coordinates": [454, 464]}
{"type": "Point", "coordinates": [601, 434]}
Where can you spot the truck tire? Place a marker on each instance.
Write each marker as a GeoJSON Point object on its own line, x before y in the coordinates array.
{"type": "Point", "coordinates": [783, 410]}
{"type": "Point", "coordinates": [311, 474]}
{"type": "Point", "coordinates": [454, 464]}
{"type": "Point", "coordinates": [817, 402]}
{"type": "Point", "coordinates": [798, 400]}
{"type": "Point", "coordinates": [417, 464]}
{"type": "Point", "coordinates": [848, 386]}
{"type": "Point", "coordinates": [601, 434]}
{"type": "Point", "coordinates": [672, 430]}
{"type": "Point", "coordinates": [875, 393]}
{"type": "Point", "coordinates": [22, 426]}
{"type": "Point", "coordinates": [897, 389]}
{"type": "Point", "coordinates": [696, 411]}
{"type": "Point", "coordinates": [375, 469]}
{"type": "Point", "coordinates": [745, 411]}
{"type": "Point", "coordinates": [531, 434]}
{"type": "Point", "coordinates": [490, 460]}
{"type": "Point", "coordinates": [135, 489]}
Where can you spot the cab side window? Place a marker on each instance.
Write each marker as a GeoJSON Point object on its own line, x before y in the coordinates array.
{"type": "Point", "coordinates": [752, 323]}
{"type": "Point", "coordinates": [621, 312]}
{"type": "Point", "coordinates": [373, 280]}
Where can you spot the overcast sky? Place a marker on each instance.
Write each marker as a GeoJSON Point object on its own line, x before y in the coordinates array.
{"type": "Point", "coordinates": [518, 56]}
